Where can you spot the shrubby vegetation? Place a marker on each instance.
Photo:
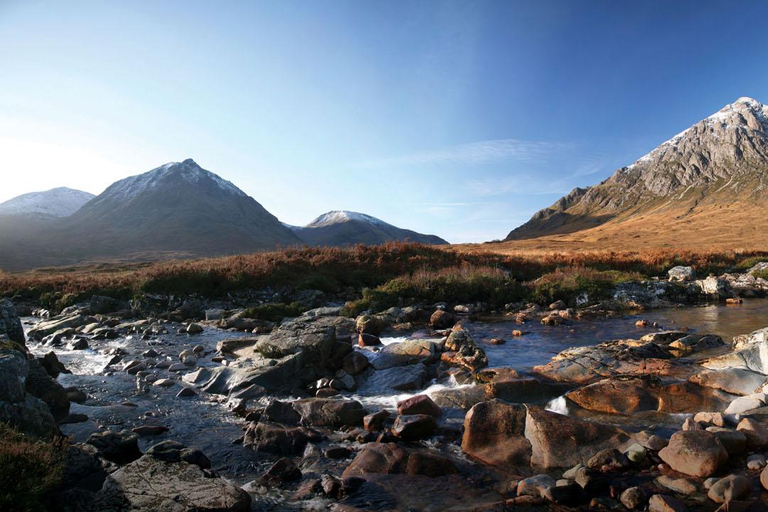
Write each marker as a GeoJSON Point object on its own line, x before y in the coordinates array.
{"type": "Point", "coordinates": [29, 469]}
{"type": "Point", "coordinates": [384, 275]}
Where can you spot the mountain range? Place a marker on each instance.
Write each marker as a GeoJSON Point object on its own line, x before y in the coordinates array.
{"type": "Point", "coordinates": [703, 188]}
{"type": "Point", "coordinates": [177, 210]}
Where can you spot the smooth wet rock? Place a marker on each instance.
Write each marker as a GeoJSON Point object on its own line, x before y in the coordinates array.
{"type": "Point", "coordinates": [538, 486]}
{"type": "Point", "coordinates": [414, 426]}
{"type": "Point", "coordinates": [354, 363]}
{"type": "Point", "coordinates": [149, 430]}
{"type": "Point", "coordinates": [407, 378]}
{"type": "Point", "coordinates": [330, 412]}
{"type": "Point", "coordinates": [695, 452]}
{"type": "Point", "coordinates": [441, 319]}
{"type": "Point", "coordinates": [173, 451]}
{"type": "Point", "coordinates": [755, 432]}
{"type": "Point", "coordinates": [745, 403]}
{"type": "Point", "coordinates": [664, 503]}
{"type": "Point", "coordinates": [732, 487]}
{"type": "Point", "coordinates": [276, 439]}
{"type": "Point", "coordinates": [375, 422]}
{"type": "Point", "coordinates": [405, 353]}
{"type": "Point", "coordinates": [683, 486]}
{"type": "Point", "coordinates": [368, 340]}
{"type": "Point", "coordinates": [281, 472]}
{"type": "Point", "coordinates": [561, 441]}
{"type": "Point", "coordinates": [494, 433]}
{"type": "Point", "coordinates": [419, 404]}
{"type": "Point", "coordinates": [633, 498]}
{"type": "Point", "coordinates": [392, 459]}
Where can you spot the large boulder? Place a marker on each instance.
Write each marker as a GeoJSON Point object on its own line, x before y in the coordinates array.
{"type": "Point", "coordinates": [753, 357]}
{"type": "Point", "coordinates": [330, 412]}
{"type": "Point", "coordinates": [505, 434]}
{"type": "Point", "coordinates": [737, 381]}
{"type": "Point", "coordinates": [10, 324]}
{"type": "Point", "coordinates": [72, 321]}
{"type": "Point", "coordinates": [634, 394]}
{"type": "Point", "coordinates": [18, 407]}
{"type": "Point", "coordinates": [717, 287]}
{"type": "Point", "coordinates": [582, 365]}
{"type": "Point", "coordinates": [405, 353]}
{"type": "Point", "coordinates": [276, 439]}
{"type": "Point", "coordinates": [398, 378]}
{"type": "Point", "coordinates": [461, 350]}
{"type": "Point", "coordinates": [150, 484]}
{"type": "Point", "coordinates": [393, 459]}
{"type": "Point", "coordinates": [494, 433]}
{"type": "Point", "coordinates": [681, 274]}
{"type": "Point", "coordinates": [696, 453]}
{"type": "Point", "coordinates": [561, 441]}
{"type": "Point", "coordinates": [291, 357]}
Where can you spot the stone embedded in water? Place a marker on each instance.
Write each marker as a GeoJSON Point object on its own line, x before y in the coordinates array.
{"type": "Point", "coordinates": [392, 459]}
{"type": "Point", "coordinates": [419, 404]}
{"type": "Point", "coordinates": [414, 426]}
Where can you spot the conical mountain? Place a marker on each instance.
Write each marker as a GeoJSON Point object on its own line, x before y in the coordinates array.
{"type": "Point", "coordinates": [176, 210]}
{"type": "Point", "coordinates": [706, 185]}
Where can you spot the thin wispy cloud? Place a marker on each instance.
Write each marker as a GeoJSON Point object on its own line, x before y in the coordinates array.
{"type": "Point", "coordinates": [475, 153]}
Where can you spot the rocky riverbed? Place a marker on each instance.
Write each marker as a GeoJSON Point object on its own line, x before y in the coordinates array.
{"type": "Point", "coordinates": [409, 409]}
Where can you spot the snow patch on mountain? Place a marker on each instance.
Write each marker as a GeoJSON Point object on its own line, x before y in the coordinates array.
{"type": "Point", "coordinates": [340, 216]}
{"type": "Point", "coordinates": [187, 170]}
{"type": "Point", "coordinates": [722, 117]}
{"type": "Point", "coordinates": [54, 203]}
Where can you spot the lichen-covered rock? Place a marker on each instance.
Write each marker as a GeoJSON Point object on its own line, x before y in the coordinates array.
{"type": "Point", "coordinates": [461, 350]}
{"type": "Point", "coordinates": [150, 484]}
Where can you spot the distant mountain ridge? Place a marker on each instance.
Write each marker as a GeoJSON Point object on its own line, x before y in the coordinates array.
{"type": "Point", "coordinates": [345, 228]}
{"type": "Point", "coordinates": [177, 210]}
{"type": "Point", "coordinates": [55, 203]}
{"type": "Point", "coordinates": [700, 180]}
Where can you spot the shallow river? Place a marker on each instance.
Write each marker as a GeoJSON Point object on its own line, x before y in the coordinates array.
{"type": "Point", "coordinates": [205, 422]}
{"type": "Point", "coordinates": [541, 342]}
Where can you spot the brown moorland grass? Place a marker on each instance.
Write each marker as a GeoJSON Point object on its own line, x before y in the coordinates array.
{"type": "Point", "coordinates": [349, 270]}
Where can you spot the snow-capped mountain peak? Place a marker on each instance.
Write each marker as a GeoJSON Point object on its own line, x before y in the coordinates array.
{"type": "Point", "coordinates": [54, 203]}
{"type": "Point", "coordinates": [340, 216]}
{"type": "Point", "coordinates": [188, 171]}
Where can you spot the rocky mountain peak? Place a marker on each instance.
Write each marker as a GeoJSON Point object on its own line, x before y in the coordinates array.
{"type": "Point", "coordinates": [722, 158]}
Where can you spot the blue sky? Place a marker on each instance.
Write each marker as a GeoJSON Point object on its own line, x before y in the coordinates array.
{"type": "Point", "coordinates": [455, 118]}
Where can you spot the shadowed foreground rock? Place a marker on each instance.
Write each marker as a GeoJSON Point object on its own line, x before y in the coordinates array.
{"type": "Point", "coordinates": [150, 485]}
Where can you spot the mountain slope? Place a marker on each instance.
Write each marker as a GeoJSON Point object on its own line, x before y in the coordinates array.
{"type": "Point", "coordinates": [54, 203]}
{"type": "Point", "coordinates": [176, 210]}
{"type": "Point", "coordinates": [711, 176]}
{"type": "Point", "coordinates": [343, 228]}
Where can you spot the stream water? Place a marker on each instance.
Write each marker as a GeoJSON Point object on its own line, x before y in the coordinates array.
{"type": "Point", "coordinates": [204, 421]}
